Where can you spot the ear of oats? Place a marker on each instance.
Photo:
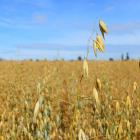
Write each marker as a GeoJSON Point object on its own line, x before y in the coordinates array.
{"type": "Point", "coordinates": [85, 68]}
{"type": "Point", "coordinates": [95, 96]}
{"type": "Point", "coordinates": [36, 110]}
{"type": "Point", "coordinates": [102, 27]}
{"type": "Point", "coordinates": [98, 84]}
{"type": "Point", "coordinates": [128, 102]}
{"type": "Point", "coordinates": [117, 107]}
{"type": "Point", "coordinates": [135, 87]}
{"type": "Point", "coordinates": [81, 135]}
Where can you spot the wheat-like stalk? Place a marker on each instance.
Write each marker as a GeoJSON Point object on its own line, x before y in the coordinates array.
{"type": "Point", "coordinates": [95, 96]}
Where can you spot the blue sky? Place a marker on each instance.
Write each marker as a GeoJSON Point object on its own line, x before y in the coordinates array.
{"type": "Point", "coordinates": [60, 28]}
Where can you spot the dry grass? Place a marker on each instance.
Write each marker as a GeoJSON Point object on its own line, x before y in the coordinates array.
{"type": "Point", "coordinates": [68, 109]}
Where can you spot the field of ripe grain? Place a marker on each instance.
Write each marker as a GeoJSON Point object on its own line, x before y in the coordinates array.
{"type": "Point", "coordinates": [54, 101]}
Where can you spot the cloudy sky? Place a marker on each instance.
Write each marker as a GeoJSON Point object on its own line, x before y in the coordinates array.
{"type": "Point", "coordinates": [56, 29]}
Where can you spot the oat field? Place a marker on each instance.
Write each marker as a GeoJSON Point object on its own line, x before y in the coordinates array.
{"type": "Point", "coordinates": [54, 101]}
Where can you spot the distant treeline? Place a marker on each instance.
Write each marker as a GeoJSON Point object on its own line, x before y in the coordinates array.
{"type": "Point", "coordinates": [127, 57]}
{"type": "Point", "coordinates": [123, 57]}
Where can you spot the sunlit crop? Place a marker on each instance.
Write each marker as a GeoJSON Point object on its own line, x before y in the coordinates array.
{"type": "Point", "coordinates": [62, 101]}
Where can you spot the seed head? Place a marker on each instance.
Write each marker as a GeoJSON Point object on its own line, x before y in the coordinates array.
{"type": "Point", "coordinates": [85, 68]}
{"type": "Point", "coordinates": [99, 43]}
{"type": "Point", "coordinates": [102, 27]}
{"type": "Point", "coordinates": [95, 96]}
{"type": "Point", "coordinates": [98, 84]}
{"type": "Point", "coordinates": [135, 86]}
{"type": "Point", "coordinates": [117, 107]}
{"type": "Point", "coordinates": [128, 102]}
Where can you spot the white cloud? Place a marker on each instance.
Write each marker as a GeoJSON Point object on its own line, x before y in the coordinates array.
{"type": "Point", "coordinates": [23, 22]}
{"type": "Point", "coordinates": [124, 33]}
{"type": "Point", "coordinates": [124, 39]}
{"type": "Point", "coordinates": [125, 28]}
{"type": "Point", "coordinates": [109, 8]}
{"type": "Point", "coordinates": [39, 18]}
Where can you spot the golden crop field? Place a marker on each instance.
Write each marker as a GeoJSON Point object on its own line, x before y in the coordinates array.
{"type": "Point", "coordinates": [54, 101]}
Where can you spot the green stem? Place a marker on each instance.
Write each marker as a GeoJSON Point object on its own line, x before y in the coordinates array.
{"type": "Point", "coordinates": [88, 43]}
